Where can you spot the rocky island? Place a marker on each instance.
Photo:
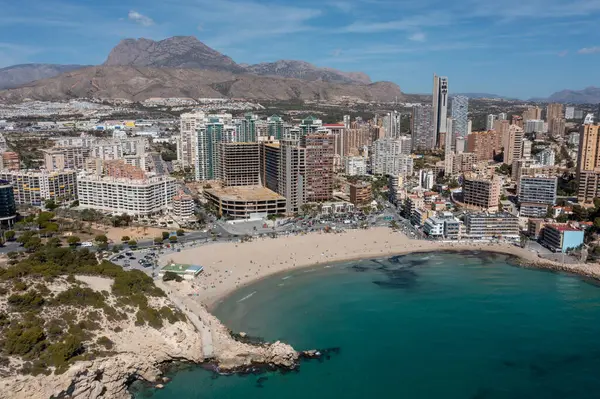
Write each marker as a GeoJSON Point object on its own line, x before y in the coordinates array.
{"type": "Point", "coordinates": [76, 327]}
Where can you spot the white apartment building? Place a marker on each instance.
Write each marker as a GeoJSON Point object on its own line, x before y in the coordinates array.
{"type": "Point", "coordinates": [133, 197]}
{"type": "Point", "coordinates": [183, 206]}
{"type": "Point", "coordinates": [356, 166]}
{"type": "Point", "coordinates": [535, 126]}
{"type": "Point", "coordinates": [186, 143]}
{"type": "Point", "coordinates": [387, 158]}
{"type": "Point", "coordinates": [35, 187]}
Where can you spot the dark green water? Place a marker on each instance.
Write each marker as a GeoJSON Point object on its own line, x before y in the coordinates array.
{"type": "Point", "coordinates": [466, 326]}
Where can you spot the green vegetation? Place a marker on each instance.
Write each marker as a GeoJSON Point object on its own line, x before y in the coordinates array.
{"type": "Point", "coordinates": [173, 239]}
{"type": "Point", "coordinates": [158, 240]}
{"type": "Point", "coordinates": [170, 276]}
{"type": "Point", "coordinates": [9, 235]}
{"type": "Point", "coordinates": [132, 243]}
{"type": "Point", "coordinates": [49, 344]}
{"type": "Point", "coordinates": [125, 238]}
{"type": "Point", "coordinates": [180, 232]}
{"type": "Point", "coordinates": [101, 239]}
{"type": "Point", "coordinates": [73, 240]}
{"type": "Point", "coordinates": [165, 235]}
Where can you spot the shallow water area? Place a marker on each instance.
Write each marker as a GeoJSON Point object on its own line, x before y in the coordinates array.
{"type": "Point", "coordinates": [451, 325]}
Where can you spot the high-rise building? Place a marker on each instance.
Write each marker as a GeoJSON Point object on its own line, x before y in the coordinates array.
{"type": "Point", "coordinates": [292, 175]}
{"type": "Point", "coordinates": [460, 117]}
{"type": "Point", "coordinates": [448, 152]}
{"type": "Point", "coordinates": [388, 158]}
{"type": "Point", "coordinates": [536, 194]}
{"type": "Point", "coordinates": [546, 157]}
{"type": "Point", "coordinates": [310, 125]}
{"type": "Point", "coordinates": [483, 226]}
{"type": "Point", "coordinates": [61, 158]}
{"type": "Point", "coordinates": [463, 162]}
{"type": "Point", "coordinates": [207, 158]}
{"type": "Point", "coordinates": [534, 126]}
{"type": "Point", "coordinates": [423, 128]}
{"type": "Point", "coordinates": [239, 164]}
{"type": "Point", "coordinates": [34, 187]}
{"type": "Point", "coordinates": [512, 141]}
{"type": "Point", "coordinates": [275, 127]}
{"type": "Point", "coordinates": [532, 113]}
{"type": "Point", "coordinates": [270, 158]}
{"type": "Point", "coordinates": [440, 107]}
{"type": "Point", "coordinates": [588, 164]}
{"type": "Point", "coordinates": [8, 208]}
{"type": "Point", "coordinates": [485, 145]}
{"type": "Point", "coordinates": [502, 116]}
{"type": "Point", "coordinates": [355, 166]}
{"type": "Point", "coordinates": [489, 124]}
{"type": "Point", "coordinates": [319, 166]}
{"type": "Point", "coordinates": [186, 143]}
{"type": "Point", "coordinates": [554, 111]}
{"type": "Point", "coordinates": [133, 197]}
{"type": "Point", "coordinates": [556, 127]}
{"type": "Point", "coordinates": [482, 192]}
{"type": "Point", "coordinates": [246, 128]}
{"type": "Point", "coordinates": [527, 146]}
{"type": "Point", "coordinates": [570, 113]}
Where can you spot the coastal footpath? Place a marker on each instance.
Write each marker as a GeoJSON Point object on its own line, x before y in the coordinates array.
{"type": "Point", "coordinates": [229, 266]}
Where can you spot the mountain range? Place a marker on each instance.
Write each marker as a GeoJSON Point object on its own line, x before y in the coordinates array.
{"type": "Point", "coordinates": [182, 66]}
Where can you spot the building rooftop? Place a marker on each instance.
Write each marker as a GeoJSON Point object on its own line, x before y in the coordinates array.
{"type": "Point", "coordinates": [563, 227]}
{"type": "Point", "coordinates": [245, 193]}
{"type": "Point", "coordinates": [182, 268]}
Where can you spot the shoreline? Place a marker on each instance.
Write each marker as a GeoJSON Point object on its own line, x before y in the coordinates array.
{"type": "Point", "coordinates": [231, 266]}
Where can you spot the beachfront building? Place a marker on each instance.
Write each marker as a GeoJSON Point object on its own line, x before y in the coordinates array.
{"type": "Point", "coordinates": [35, 187]}
{"type": "Point", "coordinates": [270, 158]}
{"type": "Point", "coordinates": [144, 197]}
{"type": "Point", "coordinates": [481, 192]}
{"type": "Point", "coordinates": [443, 226]}
{"type": "Point", "coordinates": [187, 272]}
{"type": "Point", "coordinates": [319, 150]}
{"type": "Point", "coordinates": [536, 195]}
{"type": "Point", "coordinates": [486, 226]}
{"type": "Point", "coordinates": [239, 164]}
{"type": "Point", "coordinates": [245, 202]}
{"type": "Point", "coordinates": [562, 237]}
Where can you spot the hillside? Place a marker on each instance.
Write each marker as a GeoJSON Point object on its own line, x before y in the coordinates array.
{"type": "Point", "coordinates": [589, 95]}
{"type": "Point", "coordinates": [18, 75]}
{"type": "Point", "coordinates": [139, 84]}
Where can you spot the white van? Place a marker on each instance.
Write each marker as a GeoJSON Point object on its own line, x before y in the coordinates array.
{"type": "Point", "coordinates": [87, 244]}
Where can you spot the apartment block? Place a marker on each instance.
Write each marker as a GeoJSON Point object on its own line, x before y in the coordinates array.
{"type": "Point", "coordinates": [355, 166]}
{"type": "Point", "coordinates": [292, 175]}
{"type": "Point", "coordinates": [11, 161]}
{"type": "Point", "coordinates": [485, 145]}
{"type": "Point", "coordinates": [239, 164]}
{"type": "Point", "coordinates": [183, 206]}
{"type": "Point", "coordinates": [319, 166]}
{"type": "Point", "coordinates": [61, 158]}
{"type": "Point", "coordinates": [35, 187]}
{"type": "Point", "coordinates": [134, 197]}
{"type": "Point", "coordinates": [463, 162]}
{"type": "Point", "coordinates": [512, 142]}
{"type": "Point", "coordinates": [562, 237]}
{"type": "Point", "coordinates": [387, 158]}
{"type": "Point", "coordinates": [488, 226]}
{"type": "Point", "coordinates": [482, 192]}
{"type": "Point", "coordinates": [245, 202]}
{"type": "Point", "coordinates": [360, 194]}
{"type": "Point", "coordinates": [588, 164]}
{"type": "Point", "coordinates": [270, 158]}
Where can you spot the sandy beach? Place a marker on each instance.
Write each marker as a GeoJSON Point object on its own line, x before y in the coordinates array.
{"type": "Point", "coordinates": [229, 266]}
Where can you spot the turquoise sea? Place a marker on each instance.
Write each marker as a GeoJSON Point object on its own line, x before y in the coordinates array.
{"type": "Point", "coordinates": [440, 325]}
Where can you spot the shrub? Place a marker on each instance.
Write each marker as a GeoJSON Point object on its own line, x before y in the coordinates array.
{"type": "Point", "coordinates": [101, 238]}
{"type": "Point", "coordinates": [30, 301]}
{"type": "Point", "coordinates": [19, 285]}
{"type": "Point", "coordinates": [180, 232]}
{"type": "Point", "coordinates": [105, 342]}
{"type": "Point", "coordinates": [10, 235]}
{"type": "Point", "coordinates": [79, 297]}
{"type": "Point", "coordinates": [125, 238]}
{"type": "Point", "coordinates": [170, 276]}
{"type": "Point", "coordinates": [165, 235]}
{"type": "Point", "coordinates": [20, 340]}
{"type": "Point", "coordinates": [132, 243]}
{"type": "Point", "coordinates": [73, 240]}
{"type": "Point", "coordinates": [173, 239]}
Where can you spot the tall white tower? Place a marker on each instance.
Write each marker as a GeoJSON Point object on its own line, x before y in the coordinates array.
{"type": "Point", "coordinates": [440, 106]}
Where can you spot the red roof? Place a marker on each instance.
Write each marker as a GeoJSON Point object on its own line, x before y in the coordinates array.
{"type": "Point", "coordinates": [563, 227]}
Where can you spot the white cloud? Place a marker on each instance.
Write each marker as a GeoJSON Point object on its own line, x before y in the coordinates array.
{"type": "Point", "coordinates": [589, 50]}
{"type": "Point", "coordinates": [418, 37]}
{"type": "Point", "coordinates": [140, 18]}
{"type": "Point", "coordinates": [406, 24]}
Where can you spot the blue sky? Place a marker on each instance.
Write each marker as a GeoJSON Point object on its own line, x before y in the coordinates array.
{"type": "Point", "coordinates": [522, 48]}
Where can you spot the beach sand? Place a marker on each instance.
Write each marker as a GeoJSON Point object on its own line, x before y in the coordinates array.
{"type": "Point", "coordinates": [229, 266]}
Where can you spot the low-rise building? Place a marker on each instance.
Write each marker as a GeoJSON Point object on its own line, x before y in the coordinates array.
{"type": "Point", "coordinates": [420, 215]}
{"type": "Point", "coordinates": [443, 226]}
{"type": "Point", "coordinates": [488, 226]}
{"type": "Point", "coordinates": [245, 202]}
{"type": "Point", "coordinates": [143, 197]}
{"type": "Point", "coordinates": [562, 237]}
{"type": "Point", "coordinates": [188, 272]}
{"type": "Point", "coordinates": [534, 228]}
{"type": "Point", "coordinates": [360, 193]}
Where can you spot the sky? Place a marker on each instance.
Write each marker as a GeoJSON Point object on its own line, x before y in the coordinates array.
{"type": "Point", "coordinates": [518, 48]}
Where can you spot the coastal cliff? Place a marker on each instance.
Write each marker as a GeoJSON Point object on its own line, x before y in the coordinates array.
{"type": "Point", "coordinates": [79, 329]}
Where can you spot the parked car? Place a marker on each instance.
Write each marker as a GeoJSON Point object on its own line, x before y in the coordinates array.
{"type": "Point", "coordinates": [87, 244]}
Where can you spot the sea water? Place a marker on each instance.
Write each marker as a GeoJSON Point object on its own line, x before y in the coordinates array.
{"type": "Point", "coordinates": [439, 325]}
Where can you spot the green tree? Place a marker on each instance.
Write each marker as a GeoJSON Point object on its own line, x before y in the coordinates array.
{"type": "Point", "coordinates": [165, 235]}
{"type": "Point", "coordinates": [33, 244]}
{"type": "Point", "coordinates": [125, 238]}
{"type": "Point", "coordinates": [158, 240]}
{"type": "Point", "coordinates": [9, 235]}
{"type": "Point", "coordinates": [101, 239]}
{"type": "Point", "coordinates": [51, 205]}
{"type": "Point", "coordinates": [73, 240]}
{"type": "Point", "coordinates": [180, 232]}
{"type": "Point", "coordinates": [562, 218]}
{"type": "Point", "coordinates": [173, 239]}
{"type": "Point", "coordinates": [132, 243]}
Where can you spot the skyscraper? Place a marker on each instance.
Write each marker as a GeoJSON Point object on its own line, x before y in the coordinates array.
{"type": "Point", "coordinates": [319, 166]}
{"type": "Point", "coordinates": [186, 142]}
{"type": "Point", "coordinates": [512, 141]}
{"type": "Point", "coordinates": [532, 113]}
{"type": "Point", "coordinates": [588, 163]}
{"type": "Point", "coordinates": [460, 120]}
{"type": "Point", "coordinates": [292, 170]}
{"type": "Point", "coordinates": [423, 129]}
{"type": "Point", "coordinates": [440, 107]}
{"type": "Point", "coordinates": [489, 124]}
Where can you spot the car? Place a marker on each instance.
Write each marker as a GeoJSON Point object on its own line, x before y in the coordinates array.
{"type": "Point", "coordinates": [129, 253]}
{"type": "Point", "coordinates": [132, 257]}
{"type": "Point", "coordinates": [87, 244]}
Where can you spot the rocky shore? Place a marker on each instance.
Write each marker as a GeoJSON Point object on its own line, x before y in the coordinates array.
{"type": "Point", "coordinates": [140, 351]}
